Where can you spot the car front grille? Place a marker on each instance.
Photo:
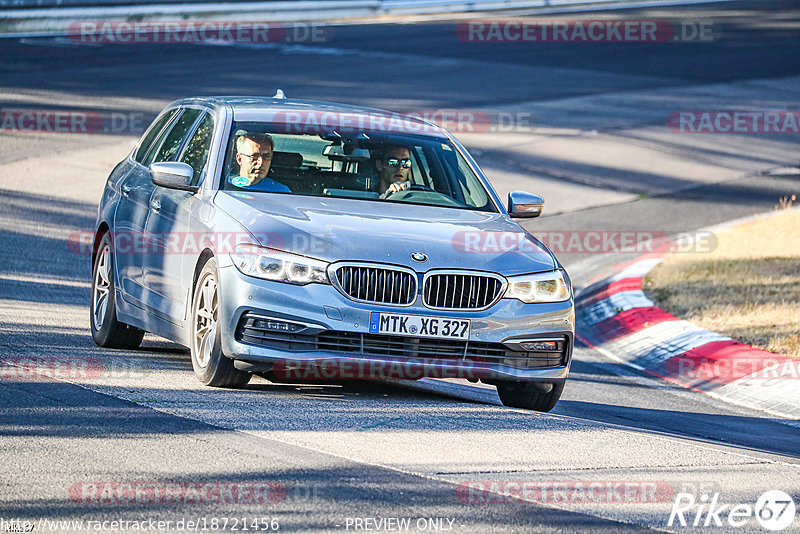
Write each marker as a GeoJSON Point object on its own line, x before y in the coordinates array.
{"type": "Point", "coordinates": [376, 284]}
{"type": "Point", "coordinates": [458, 291]}
{"type": "Point", "coordinates": [255, 330]}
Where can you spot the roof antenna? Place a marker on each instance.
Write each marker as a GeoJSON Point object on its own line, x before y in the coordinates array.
{"type": "Point", "coordinates": [279, 94]}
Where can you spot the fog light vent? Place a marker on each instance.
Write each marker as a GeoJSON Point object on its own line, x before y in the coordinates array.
{"type": "Point", "coordinates": [541, 346]}
{"type": "Point", "coordinates": [272, 325]}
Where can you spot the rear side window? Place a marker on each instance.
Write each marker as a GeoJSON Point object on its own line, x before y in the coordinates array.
{"type": "Point", "coordinates": [150, 136]}
{"type": "Point", "coordinates": [196, 152]}
{"type": "Point", "coordinates": [174, 140]}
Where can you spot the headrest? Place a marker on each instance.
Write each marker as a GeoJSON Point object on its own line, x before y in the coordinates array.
{"type": "Point", "coordinates": [287, 159]}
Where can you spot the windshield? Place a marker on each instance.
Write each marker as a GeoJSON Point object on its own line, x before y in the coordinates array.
{"type": "Point", "coordinates": [368, 166]}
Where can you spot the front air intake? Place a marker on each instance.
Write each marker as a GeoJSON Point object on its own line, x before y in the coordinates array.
{"type": "Point", "coordinates": [379, 284]}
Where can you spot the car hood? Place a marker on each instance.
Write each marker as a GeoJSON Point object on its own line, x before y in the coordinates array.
{"type": "Point", "coordinates": [333, 229]}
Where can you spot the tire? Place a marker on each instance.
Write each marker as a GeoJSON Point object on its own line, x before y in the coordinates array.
{"type": "Point", "coordinates": [107, 331]}
{"type": "Point", "coordinates": [210, 366]}
{"type": "Point", "coordinates": [530, 395]}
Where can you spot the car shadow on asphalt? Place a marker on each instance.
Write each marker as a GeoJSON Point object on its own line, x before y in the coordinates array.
{"type": "Point", "coordinates": [29, 248]}
{"type": "Point", "coordinates": [586, 372]}
{"type": "Point", "coordinates": [763, 434]}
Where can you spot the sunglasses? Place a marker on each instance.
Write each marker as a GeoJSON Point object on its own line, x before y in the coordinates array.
{"type": "Point", "coordinates": [397, 162]}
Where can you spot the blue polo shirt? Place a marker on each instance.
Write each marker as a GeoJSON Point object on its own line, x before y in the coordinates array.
{"type": "Point", "coordinates": [266, 185]}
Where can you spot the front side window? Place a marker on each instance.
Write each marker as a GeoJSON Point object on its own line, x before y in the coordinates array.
{"type": "Point", "coordinates": [174, 140]}
{"type": "Point", "coordinates": [368, 166]}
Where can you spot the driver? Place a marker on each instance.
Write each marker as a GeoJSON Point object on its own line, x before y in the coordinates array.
{"type": "Point", "coordinates": [394, 169]}
{"type": "Point", "coordinates": [254, 156]}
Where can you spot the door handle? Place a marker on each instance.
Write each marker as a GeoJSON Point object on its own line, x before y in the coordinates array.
{"type": "Point", "coordinates": [125, 190]}
{"type": "Point", "coordinates": [155, 204]}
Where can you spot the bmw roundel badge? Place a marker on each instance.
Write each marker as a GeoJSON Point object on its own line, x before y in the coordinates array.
{"type": "Point", "coordinates": [419, 256]}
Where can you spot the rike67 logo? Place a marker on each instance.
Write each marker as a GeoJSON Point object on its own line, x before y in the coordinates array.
{"type": "Point", "coordinates": [774, 510]}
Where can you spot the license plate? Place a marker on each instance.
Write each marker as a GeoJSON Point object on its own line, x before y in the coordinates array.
{"type": "Point", "coordinates": [418, 326]}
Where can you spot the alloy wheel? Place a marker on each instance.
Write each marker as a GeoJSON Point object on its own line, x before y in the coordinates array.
{"type": "Point", "coordinates": [102, 285]}
{"type": "Point", "coordinates": [205, 321]}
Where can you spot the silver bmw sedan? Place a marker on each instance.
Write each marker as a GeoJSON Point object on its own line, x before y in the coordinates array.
{"type": "Point", "coordinates": [311, 241]}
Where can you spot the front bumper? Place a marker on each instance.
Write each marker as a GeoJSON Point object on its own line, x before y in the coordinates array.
{"type": "Point", "coordinates": [321, 308]}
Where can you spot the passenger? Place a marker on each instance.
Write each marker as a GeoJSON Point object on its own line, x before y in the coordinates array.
{"type": "Point", "coordinates": [254, 156]}
{"type": "Point", "coordinates": [394, 170]}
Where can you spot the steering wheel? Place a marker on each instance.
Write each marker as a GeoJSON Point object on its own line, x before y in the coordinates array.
{"type": "Point", "coordinates": [419, 187]}
{"type": "Point", "coordinates": [412, 187]}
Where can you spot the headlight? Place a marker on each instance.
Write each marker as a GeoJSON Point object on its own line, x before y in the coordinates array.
{"type": "Point", "coordinates": [271, 264]}
{"type": "Point", "coordinates": [539, 287]}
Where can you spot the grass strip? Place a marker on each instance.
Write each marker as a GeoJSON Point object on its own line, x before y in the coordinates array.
{"type": "Point", "coordinates": [747, 288]}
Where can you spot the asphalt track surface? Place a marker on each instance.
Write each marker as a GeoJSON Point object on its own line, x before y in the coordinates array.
{"type": "Point", "coordinates": [368, 450]}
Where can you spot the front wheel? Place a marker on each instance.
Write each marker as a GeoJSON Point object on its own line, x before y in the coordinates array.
{"type": "Point", "coordinates": [541, 397]}
{"type": "Point", "coordinates": [107, 331]}
{"type": "Point", "coordinates": [211, 367]}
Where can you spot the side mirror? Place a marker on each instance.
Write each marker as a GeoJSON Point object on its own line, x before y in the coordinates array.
{"type": "Point", "coordinates": [173, 175]}
{"type": "Point", "coordinates": [522, 204]}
